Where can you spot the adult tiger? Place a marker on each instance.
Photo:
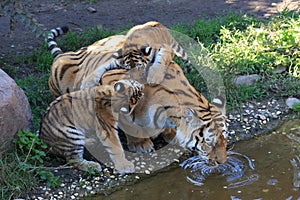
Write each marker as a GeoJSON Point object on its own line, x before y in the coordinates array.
{"type": "Point", "coordinates": [73, 119]}
{"type": "Point", "coordinates": [143, 45]}
{"type": "Point", "coordinates": [174, 105]}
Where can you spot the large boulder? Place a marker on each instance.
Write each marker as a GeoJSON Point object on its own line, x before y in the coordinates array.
{"type": "Point", "coordinates": [15, 113]}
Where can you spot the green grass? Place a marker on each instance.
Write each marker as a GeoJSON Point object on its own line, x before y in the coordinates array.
{"type": "Point", "coordinates": [21, 168]}
{"type": "Point", "coordinates": [238, 45]}
{"type": "Point", "coordinates": [242, 45]}
{"type": "Point", "coordinates": [39, 97]}
{"type": "Point", "coordinates": [260, 48]}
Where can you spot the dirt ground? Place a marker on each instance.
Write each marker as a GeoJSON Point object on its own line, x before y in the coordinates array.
{"type": "Point", "coordinates": [112, 14]}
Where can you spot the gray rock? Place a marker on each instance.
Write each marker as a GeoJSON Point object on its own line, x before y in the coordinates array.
{"type": "Point", "coordinates": [291, 101]}
{"type": "Point", "coordinates": [246, 80]}
{"type": "Point", "coordinates": [280, 69]}
{"type": "Point", "coordinates": [15, 113]}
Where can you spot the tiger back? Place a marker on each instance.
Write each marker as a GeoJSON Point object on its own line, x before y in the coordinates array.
{"type": "Point", "coordinates": [69, 69]}
{"type": "Point", "coordinates": [72, 119]}
{"type": "Point", "coordinates": [174, 105]}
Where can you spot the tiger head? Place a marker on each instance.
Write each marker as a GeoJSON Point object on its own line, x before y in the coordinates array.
{"type": "Point", "coordinates": [136, 57]}
{"type": "Point", "coordinates": [207, 137]}
{"type": "Point", "coordinates": [145, 55]}
{"type": "Point", "coordinates": [127, 94]}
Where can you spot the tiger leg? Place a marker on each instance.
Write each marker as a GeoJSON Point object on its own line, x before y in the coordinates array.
{"type": "Point", "coordinates": [139, 141]}
{"type": "Point", "coordinates": [71, 150]}
{"type": "Point", "coordinates": [138, 137]}
{"type": "Point", "coordinates": [114, 147]}
{"type": "Point", "coordinates": [74, 155]}
{"type": "Point", "coordinates": [139, 145]}
{"type": "Point", "coordinates": [84, 165]}
{"type": "Point", "coordinates": [156, 72]}
{"type": "Point", "coordinates": [94, 78]}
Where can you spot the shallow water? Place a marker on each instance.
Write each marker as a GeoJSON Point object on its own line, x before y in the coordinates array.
{"type": "Point", "coordinates": [237, 172]}
{"type": "Point", "coordinates": [272, 177]}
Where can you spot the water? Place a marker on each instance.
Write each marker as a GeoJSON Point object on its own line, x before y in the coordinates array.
{"type": "Point", "coordinates": [234, 169]}
{"type": "Point", "coordinates": [275, 176]}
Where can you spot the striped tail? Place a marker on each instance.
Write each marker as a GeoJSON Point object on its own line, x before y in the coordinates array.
{"type": "Point", "coordinates": [52, 45]}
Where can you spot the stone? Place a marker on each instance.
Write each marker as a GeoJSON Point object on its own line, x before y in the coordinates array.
{"type": "Point", "coordinates": [291, 101]}
{"type": "Point", "coordinates": [15, 113]}
{"type": "Point", "coordinates": [91, 9]}
{"type": "Point", "coordinates": [280, 69]}
{"type": "Point", "coordinates": [246, 80]}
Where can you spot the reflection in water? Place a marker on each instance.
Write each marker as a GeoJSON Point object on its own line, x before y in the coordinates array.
{"type": "Point", "coordinates": [198, 169]}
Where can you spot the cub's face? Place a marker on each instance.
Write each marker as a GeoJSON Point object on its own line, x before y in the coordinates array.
{"type": "Point", "coordinates": [127, 94]}
{"type": "Point", "coordinates": [136, 57]}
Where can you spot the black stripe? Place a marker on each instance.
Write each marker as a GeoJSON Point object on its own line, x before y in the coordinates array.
{"type": "Point", "coordinates": [184, 83]}
{"type": "Point", "coordinates": [64, 69]}
{"type": "Point", "coordinates": [156, 116]}
{"type": "Point", "coordinates": [169, 76]}
{"type": "Point", "coordinates": [162, 89]}
{"type": "Point", "coordinates": [181, 92]}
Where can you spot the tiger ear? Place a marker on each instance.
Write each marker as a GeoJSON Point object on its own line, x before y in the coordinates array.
{"type": "Point", "coordinates": [189, 115]}
{"type": "Point", "coordinates": [192, 118]}
{"type": "Point", "coordinates": [119, 87]}
{"type": "Point", "coordinates": [146, 50]}
{"type": "Point", "coordinates": [124, 110]}
{"type": "Point", "coordinates": [220, 103]}
{"type": "Point", "coordinates": [117, 54]}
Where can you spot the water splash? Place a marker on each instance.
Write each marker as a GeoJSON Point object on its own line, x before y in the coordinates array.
{"type": "Point", "coordinates": [198, 169]}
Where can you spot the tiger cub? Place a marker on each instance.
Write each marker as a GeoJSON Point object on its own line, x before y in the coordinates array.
{"type": "Point", "coordinates": [148, 46]}
{"type": "Point", "coordinates": [72, 118]}
{"type": "Point", "coordinates": [177, 110]}
{"type": "Point", "coordinates": [155, 36]}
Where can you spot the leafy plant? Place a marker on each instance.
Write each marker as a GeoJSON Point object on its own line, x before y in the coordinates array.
{"type": "Point", "coordinates": [30, 147]}
{"type": "Point", "coordinates": [296, 107]}
{"type": "Point", "coordinates": [31, 151]}
{"type": "Point", "coordinates": [22, 168]}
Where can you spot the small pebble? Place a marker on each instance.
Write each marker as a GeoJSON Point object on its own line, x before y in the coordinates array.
{"type": "Point", "coordinates": [91, 9]}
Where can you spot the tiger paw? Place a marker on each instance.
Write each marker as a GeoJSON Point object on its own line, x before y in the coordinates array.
{"type": "Point", "coordinates": [124, 167]}
{"type": "Point", "coordinates": [88, 166]}
{"type": "Point", "coordinates": [156, 74]}
{"type": "Point", "coordinates": [140, 145]}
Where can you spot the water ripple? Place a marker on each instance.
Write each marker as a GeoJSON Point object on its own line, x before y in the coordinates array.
{"type": "Point", "coordinates": [198, 169]}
